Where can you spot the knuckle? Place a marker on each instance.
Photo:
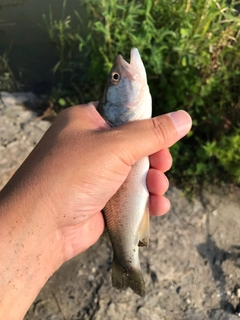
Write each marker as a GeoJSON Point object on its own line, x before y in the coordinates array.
{"type": "Point", "coordinates": [160, 130]}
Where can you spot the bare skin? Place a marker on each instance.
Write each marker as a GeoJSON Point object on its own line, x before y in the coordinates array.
{"type": "Point", "coordinates": [50, 210]}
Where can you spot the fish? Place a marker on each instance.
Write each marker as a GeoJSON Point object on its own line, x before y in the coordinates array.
{"type": "Point", "coordinates": [127, 98]}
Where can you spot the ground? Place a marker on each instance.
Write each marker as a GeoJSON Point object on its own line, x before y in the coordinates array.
{"type": "Point", "coordinates": [191, 268]}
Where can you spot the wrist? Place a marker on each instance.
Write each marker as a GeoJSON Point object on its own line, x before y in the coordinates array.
{"type": "Point", "coordinates": [30, 251]}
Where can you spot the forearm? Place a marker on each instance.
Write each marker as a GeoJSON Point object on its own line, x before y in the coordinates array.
{"type": "Point", "coordinates": [29, 251]}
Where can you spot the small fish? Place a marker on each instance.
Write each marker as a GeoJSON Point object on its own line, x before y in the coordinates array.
{"type": "Point", "coordinates": [127, 98]}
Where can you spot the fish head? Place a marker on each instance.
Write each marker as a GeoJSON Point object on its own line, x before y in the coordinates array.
{"type": "Point", "coordinates": [126, 96]}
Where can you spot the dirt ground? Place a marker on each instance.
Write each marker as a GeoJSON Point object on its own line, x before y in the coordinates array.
{"type": "Point", "coordinates": [191, 268]}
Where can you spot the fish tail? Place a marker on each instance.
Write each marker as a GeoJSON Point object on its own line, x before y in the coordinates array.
{"type": "Point", "coordinates": [122, 278]}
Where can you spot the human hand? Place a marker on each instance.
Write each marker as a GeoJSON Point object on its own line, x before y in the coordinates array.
{"type": "Point", "coordinates": [80, 163]}
{"type": "Point", "coordinates": [51, 208]}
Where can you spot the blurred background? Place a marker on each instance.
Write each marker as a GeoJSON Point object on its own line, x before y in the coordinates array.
{"type": "Point", "coordinates": [63, 51]}
{"type": "Point", "coordinates": [24, 42]}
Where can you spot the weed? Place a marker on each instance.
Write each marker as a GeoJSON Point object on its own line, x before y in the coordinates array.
{"type": "Point", "coordinates": [8, 81]}
{"type": "Point", "coordinates": [191, 52]}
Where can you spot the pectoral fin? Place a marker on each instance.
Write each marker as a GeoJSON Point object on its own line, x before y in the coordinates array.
{"type": "Point", "coordinates": [143, 231]}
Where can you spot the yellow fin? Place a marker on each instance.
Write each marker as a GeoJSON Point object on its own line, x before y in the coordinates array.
{"type": "Point", "coordinates": [144, 229]}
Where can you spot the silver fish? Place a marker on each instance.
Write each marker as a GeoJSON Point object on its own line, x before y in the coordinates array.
{"type": "Point", "coordinates": [127, 98]}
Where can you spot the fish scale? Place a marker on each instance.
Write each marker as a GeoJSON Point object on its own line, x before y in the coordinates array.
{"type": "Point", "coordinates": [127, 98]}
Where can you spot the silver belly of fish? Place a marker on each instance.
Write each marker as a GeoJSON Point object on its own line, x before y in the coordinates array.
{"type": "Point", "coordinates": [127, 220]}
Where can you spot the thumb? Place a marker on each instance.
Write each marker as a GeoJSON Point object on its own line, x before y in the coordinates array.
{"type": "Point", "coordinates": [139, 139]}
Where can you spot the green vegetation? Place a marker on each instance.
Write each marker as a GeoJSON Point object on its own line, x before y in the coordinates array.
{"type": "Point", "coordinates": [8, 81]}
{"type": "Point", "coordinates": [191, 52]}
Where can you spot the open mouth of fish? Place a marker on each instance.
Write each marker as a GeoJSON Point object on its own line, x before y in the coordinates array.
{"type": "Point", "coordinates": [135, 67]}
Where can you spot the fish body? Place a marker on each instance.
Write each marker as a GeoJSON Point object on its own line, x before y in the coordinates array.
{"type": "Point", "coordinates": [127, 98]}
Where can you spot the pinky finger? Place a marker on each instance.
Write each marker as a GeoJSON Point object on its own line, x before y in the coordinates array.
{"type": "Point", "coordinates": [158, 205]}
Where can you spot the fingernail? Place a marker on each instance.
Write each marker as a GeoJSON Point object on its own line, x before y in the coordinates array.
{"type": "Point", "coordinates": [182, 122]}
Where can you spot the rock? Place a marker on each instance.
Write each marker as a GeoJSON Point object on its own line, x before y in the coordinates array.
{"type": "Point", "coordinates": [19, 131]}
{"type": "Point", "coordinates": [222, 315]}
{"type": "Point", "coordinates": [22, 99]}
{"type": "Point", "coordinates": [146, 314]}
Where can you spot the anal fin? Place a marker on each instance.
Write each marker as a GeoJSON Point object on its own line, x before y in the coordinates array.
{"type": "Point", "coordinates": [144, 230]}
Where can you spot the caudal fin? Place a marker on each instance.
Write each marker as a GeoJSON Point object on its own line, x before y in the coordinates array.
{"type": "Point", "coordinates": [122, 278]}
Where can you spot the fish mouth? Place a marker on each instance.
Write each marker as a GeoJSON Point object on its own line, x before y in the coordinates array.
{"type": "Point", "coordinates": [135, 68]}
{"type": "Point", "coordinates": [136, 63]}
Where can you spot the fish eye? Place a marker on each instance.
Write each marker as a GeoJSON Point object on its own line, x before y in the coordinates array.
{"type": "Point", "coordinates": [115, 77]}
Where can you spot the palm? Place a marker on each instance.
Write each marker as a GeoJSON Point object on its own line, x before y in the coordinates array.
{"type": "Point", "coordinates": [80, 237]}
{"type": "Point", "coordinates": [85, 194]}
